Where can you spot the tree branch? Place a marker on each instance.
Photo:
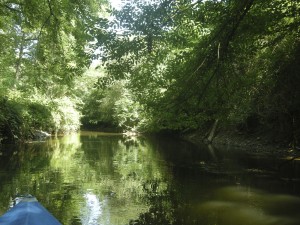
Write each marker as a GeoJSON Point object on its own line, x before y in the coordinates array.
{"type": "Point", "coordinates": [223, 37]}
{"type": "Point", "coordinates": [10, 8]}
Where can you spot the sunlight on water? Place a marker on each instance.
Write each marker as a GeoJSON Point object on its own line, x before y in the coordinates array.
{"type": "Point", "coordinates": [93, 210]}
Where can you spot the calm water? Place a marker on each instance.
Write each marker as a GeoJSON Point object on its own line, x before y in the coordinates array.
{"type": "Point", "coordinates": [95, 179]}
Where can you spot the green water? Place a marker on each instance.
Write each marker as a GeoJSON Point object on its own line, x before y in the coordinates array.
{"type": "Point", "coordinates": [102, 179]}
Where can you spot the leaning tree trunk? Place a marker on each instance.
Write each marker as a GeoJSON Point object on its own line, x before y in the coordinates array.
{"type": "Point", "coordinates": [212, 131]}
{"type": "Point", "coordinates": [19, 59]}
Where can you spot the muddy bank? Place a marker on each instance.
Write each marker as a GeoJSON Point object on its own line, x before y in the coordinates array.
{"type": "Point", "coordinates": [252, 143]}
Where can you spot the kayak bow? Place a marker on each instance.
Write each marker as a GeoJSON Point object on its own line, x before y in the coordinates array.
{"type": "Point", "coordinates": [28, 212]}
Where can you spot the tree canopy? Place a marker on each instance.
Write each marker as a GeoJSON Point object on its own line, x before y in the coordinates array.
{"type": "Point", "coordinates": [44, 46]}
{"type": "Point", "coordinates": [189, 63]}
{"type": "Point", "coordinates": [174, 65]}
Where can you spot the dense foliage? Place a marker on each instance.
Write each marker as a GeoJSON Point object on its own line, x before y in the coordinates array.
{"type": "Point", "coordinates": [175, 65]}
{"type": "Point", "coordinates": [43, 46]}
{"type": "Point", "coordinates": [190, 63]}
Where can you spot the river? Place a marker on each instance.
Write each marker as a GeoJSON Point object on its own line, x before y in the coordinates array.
{"type": "Point", "coordinates": [94, 178]}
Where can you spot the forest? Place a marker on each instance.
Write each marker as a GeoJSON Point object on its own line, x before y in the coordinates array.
{"type": "Point", "coordinates": [175, 66]}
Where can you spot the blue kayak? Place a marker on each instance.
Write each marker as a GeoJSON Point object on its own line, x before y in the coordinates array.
{"type": "Point", "coordinates": [28, 212]}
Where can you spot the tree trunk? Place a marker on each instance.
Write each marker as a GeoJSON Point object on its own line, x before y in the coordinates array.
{"type": "Point", "coordinates": [212, 131]}
{"type": "Point", "coordinates": [19, 59]}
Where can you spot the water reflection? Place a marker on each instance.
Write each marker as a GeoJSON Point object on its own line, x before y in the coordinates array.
{"type": "Point", "coordinates": [113, 168]}
{"type": "Point", "coordinates": [107, 179]}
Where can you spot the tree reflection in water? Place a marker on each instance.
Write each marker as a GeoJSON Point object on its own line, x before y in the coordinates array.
{"type": "Point", "coordinates": [83, 179]}
{"type": "Point", "coordinates": [101, 179]}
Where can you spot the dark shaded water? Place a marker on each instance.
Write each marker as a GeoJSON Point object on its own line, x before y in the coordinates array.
{"type": "Point", "coordinates": [95, 179]}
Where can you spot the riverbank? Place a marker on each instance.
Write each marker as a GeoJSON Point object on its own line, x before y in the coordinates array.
{"type": "Point", "coordinates": [253, 143]}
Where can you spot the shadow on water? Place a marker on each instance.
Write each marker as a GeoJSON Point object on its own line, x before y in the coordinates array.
{"type": "Point", "coordinates": [223, 186]}
{"type": "Point", "coordinates": [244, 205]}
{"type": "Point", "coordinates": [232, 205]}
{"type": "Point", "coordinates": [96, 178]}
